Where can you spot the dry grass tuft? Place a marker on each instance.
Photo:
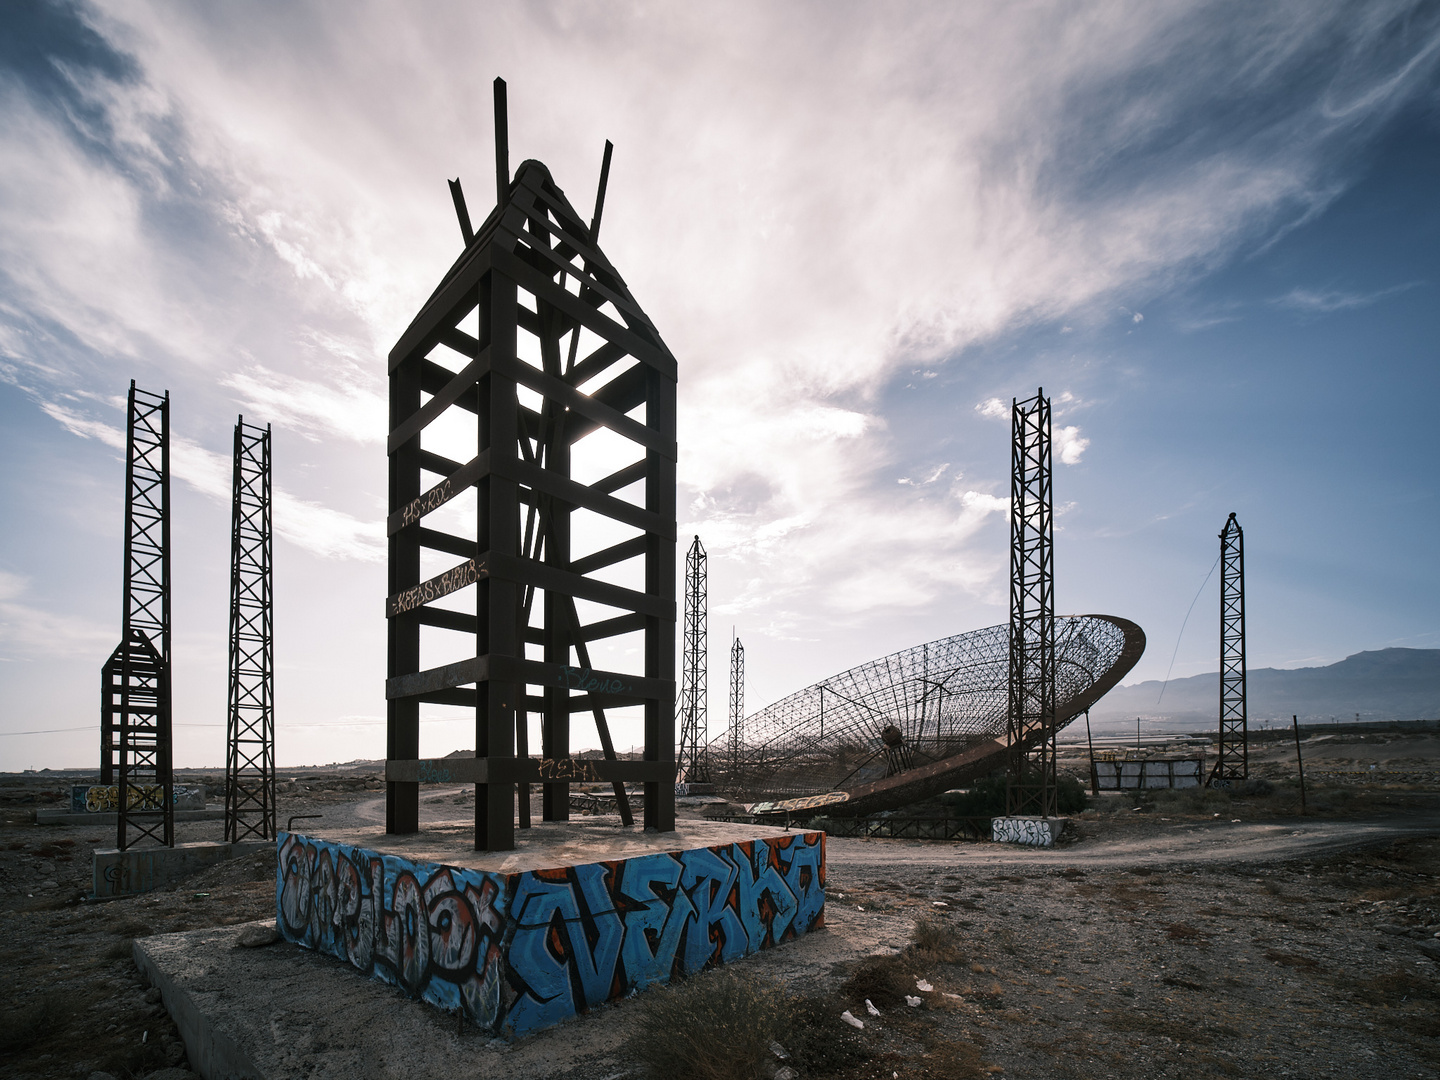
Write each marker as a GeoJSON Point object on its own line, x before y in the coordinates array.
{"type": "Point", "coordinates": [24, 1025]}
{"type": "Point", "coordinates": [884, 980]}
{"type": "Point", "coordinates": [715, 1026]}
{"type": "Point", "coordinates": [936, 941]}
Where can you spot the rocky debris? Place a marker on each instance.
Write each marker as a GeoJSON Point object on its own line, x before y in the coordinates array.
{"type": "Point", "coordinates": [255, 937]}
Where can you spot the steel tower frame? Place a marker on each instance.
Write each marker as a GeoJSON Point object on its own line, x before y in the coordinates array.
{"type": "Point", "coordinates": [530, 342]}
{"type": "Point", "coordinates": [250, 726]}
{"type": "Point", "coordinates": [1031, 728]}
{"type": "Point", "coordinates": [692, 762]}
{"type": "Point", "coordinates": [1232, 759]}
{"type": "Point", "coordinates": [135, 737]}
{"type": "Point", "coordinates": [737, 708]}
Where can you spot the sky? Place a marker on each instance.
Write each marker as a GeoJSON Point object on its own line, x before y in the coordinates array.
{"type": "Point", "coordinates": [1209, 231]}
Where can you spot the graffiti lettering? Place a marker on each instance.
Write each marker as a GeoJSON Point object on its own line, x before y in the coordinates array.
{"type": "Point", "coordinates": [584, 679]}
{"type": "Point", "coordinates": [454, 579]}
{"type": "Point", "coordinates": [567, 768]}
{"type": "Point", "coordinates": [430, 773]}
{"type": "Point", "coordinates": [105, 798]}
{"type": "Point", "coordinates": [516, 952]}
{"type": "Point", "coordinates": [431, 500]}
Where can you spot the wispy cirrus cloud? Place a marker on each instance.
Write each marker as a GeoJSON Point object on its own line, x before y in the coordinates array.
{"type": "Point", "coordinates": [1324, 301]}
{"type": "Point", "coordinates": [322, 531]}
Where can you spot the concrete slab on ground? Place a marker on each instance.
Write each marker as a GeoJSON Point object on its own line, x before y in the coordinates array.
{"type": "Point", "coordinates": [282, 1011]}
{"type": "Point", "coordinates": [546, 845]}
{"type": "Point", "coordinates": [145, 869]}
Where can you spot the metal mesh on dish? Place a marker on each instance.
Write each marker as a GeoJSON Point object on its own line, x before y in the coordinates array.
{"type": "Point", "coordinates": [906, 709]}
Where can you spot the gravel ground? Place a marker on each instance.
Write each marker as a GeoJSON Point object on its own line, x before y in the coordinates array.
{"type": "Point", "coordinates": [1160, 943]}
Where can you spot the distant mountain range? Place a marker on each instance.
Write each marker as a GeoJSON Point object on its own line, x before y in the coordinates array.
{"type": "Point", "coordinates": [1389, 684]}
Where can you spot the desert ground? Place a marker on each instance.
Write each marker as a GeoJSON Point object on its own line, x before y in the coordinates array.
{"type": "Point", "coordinates": [1175, 933]}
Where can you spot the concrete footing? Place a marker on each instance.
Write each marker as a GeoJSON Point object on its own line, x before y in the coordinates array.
{"type": "Point", "coordinates": [145, 869]}
{"type": "Point", "coordinates": [1030, 831]}
{"type": "Point", "coordinates": [579, 915]}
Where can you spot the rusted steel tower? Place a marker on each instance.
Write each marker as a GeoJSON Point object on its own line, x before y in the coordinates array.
{"type": "Point", "coordinates": [1232, 760]}
{"type": "Point", "coordinates": [530, 342]}
{"type": "Point", "coordinates": [135, 747]}
{"type": "Point", "coordinates": [250, 727]}
{"type": "Point", "coordinates": [737, 708]}
{"type": "Point", "coordinates": [692, 763]}
{"type": "Point", "coordinates": [1031, 727]}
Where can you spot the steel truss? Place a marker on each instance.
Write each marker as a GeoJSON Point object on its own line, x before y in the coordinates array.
{"type": "Point", "coordinates": [1232, 759]}
{"type": "Point", "coordinates": [737, 707]}
{"type": "Point", "coordinates": [944, 697]}
{"type": "Point", "coordinates": [135, 746]}
{"type": "Point", "coordinates": [531, 342]}
{"type": "Point", "coordinates": [692, 764]}
{"type": "Point", "coordinates": [250, 728]}
{"type": "Point", "coordinates": [1031, 726]}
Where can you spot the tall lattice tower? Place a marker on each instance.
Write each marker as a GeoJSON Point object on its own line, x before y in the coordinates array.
{"type": "Point", "coordinates": [250, 729]}
{"type": "Point", "coordinates": [737, 708]}
{"type": "Point", "coordinates": [531, 341]}
{"type": "Point", "coordinates": [693, 707]}
{"type": "Point", "coordinates": [135, 747]}
{"type": "Point", "coordinates": [1232, 761]}
{"type": "Point", "coordinates": [1031, 787]}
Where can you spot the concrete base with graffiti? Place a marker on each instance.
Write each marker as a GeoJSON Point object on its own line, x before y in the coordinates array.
{"type": "Point", "coordinates": [105, 798]}
{"type": "Point", "coordinates": [518, 951]}
{"type": "Point", "coordinates": [1031, 831]}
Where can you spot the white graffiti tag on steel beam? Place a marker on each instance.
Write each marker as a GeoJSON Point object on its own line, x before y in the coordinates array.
{"type": "Point", "coordinates": [454, 579]}
{"type": "Point", "coordinates": [432, 500]}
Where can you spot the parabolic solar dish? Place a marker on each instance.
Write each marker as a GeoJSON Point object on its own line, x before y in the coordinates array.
{"type": "Point", "coordinates": [914, 723]}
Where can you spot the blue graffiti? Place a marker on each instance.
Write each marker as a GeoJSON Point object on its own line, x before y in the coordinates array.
{"type": "Point", "coordinates": [517, 952]}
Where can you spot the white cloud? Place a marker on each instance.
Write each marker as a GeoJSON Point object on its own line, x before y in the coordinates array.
{"type": "Point", "coordinates": [993, 409]}
{"type": "Point", "coordinates": [1069, 445]}
{"type": "Point", "coordinates": [1324, 301]}
{"type": "Point", "coordinates": [321, 530]}
{"type": "Point", "coordinates": [352, 412]}
{"type": "Point", "coordinates": [29, 632]}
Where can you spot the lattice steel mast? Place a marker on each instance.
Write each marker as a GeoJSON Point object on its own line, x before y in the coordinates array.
{"type": "Point", "coordinates": [1031, 727]}
{"type": "Point", "coordinates": [1232, 761]}
{"type": "Point", "coordinates": [536, 336]}
{"type": "Point", "coordinates": [692, 763]}
{"type": "Point", "coordinates": [737, 708]}
{"type": "Point", "coordinates": [135, 708]}
{"type": "Point", "coordinates": [250, 728]}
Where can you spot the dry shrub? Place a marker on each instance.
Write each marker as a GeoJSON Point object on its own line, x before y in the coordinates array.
{"type": "Point", "coordinates": [936, 941]}
{"type": "Point", "coordinates": [819, 1043]}
{"type": "Point", "coordinates": [884, 980]}
{"type": "Point", "coordinates": [715, 1026]}
{"type": "Point", "coordinates": [24, 1025]}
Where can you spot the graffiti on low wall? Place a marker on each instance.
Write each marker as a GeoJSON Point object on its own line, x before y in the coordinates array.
{"type": "Point", "coordinates": [517, 952]}
{"type": "Point", "coordinates": [1034, 832]}
{"type": "Point", "coordinates": [105, 798]}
